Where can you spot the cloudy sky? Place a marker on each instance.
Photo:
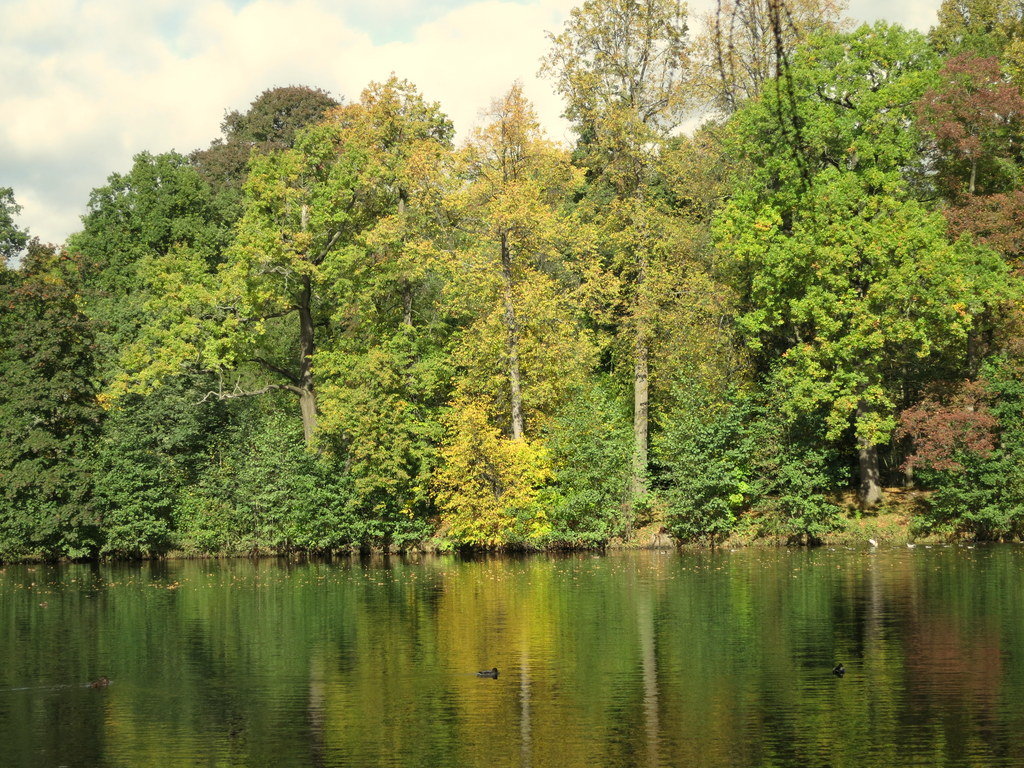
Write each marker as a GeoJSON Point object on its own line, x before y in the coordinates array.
{"type": "Point", "coordinates": [89, 83]}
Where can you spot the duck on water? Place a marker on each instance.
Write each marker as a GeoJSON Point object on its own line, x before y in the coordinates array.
{"type": "Point", "coordinates": [491, 673]}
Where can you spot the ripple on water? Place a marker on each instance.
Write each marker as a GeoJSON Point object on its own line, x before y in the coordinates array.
{"type": "Point", "coordinates": [636, 659]}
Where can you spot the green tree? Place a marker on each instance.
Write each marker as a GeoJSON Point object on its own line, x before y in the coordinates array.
{"type": "Point", "coordinates": [257, 324]}
{"type": "Point", "coordinates": [268, 125]}
{"type": "Point", "coordinates": [12, 238]}
{"type": "Point", "coordinates": [387, 375]}
{"type": "Point", "coordinates": [735, 462]}
{"type": "Point", "coordinates": [849, 282]}
{"type": "Point", "coordinates": [590, 444]}
{"type": "Point", "coordinates": [49, 415]}
{"type": "Point", "coordinates": [159, 205]}
{"type": "Point", "coordinates": [157, 211]}
{"type": "Point", "coordinates": [622, 66]}
{"type": "Point", "coordinates": [252, 323]}
{"type": "Point", "coordinates": [521, 353]}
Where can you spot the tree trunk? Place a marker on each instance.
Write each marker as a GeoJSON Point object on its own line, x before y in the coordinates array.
{"type": "Point", "coordinates": [307, 394]}
{"type": "Point", "coordinates": [512, 330]}
{"type": "Point", "coordinates": [641, 351]}
{"type": "Point", "coordinates": [638, 483]}
{"type": "Point", "coordinates": [406, 285]}
{"type": "Point", "coordinates": [406, 304]}
{"type": "Point", "coordinates": [870, 492]}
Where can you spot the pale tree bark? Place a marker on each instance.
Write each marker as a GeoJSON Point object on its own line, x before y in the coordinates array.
{"type": "Point", "coordinates": [406, 285]}
{"type": "Point", "coordinates": [307, 394]}
{"type": "Point", "coordinates": [407, 305]}
{"type": "Point", "coordinates": [641, 390]}
{"type": "Point", "coordinates": [304, 384]}
{"type": "Point", "coordinates": [638, 482]}
{"type": "Point", "coordinates": [512, 331]}
{"type": "Point", "coordinates": [870, 492]}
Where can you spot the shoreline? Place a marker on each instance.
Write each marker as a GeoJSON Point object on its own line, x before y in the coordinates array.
{"type": "Point", "coordinates": [887, 529]}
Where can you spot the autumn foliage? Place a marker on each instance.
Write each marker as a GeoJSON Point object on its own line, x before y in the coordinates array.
{"type": "Point", "coordinates": [949, 423]}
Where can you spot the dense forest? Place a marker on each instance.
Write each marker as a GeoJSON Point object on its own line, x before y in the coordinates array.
{"type": "Point", "coordinates": [337, 328]}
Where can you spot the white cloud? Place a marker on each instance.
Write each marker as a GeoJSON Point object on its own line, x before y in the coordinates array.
{"type": "Point", "coordinates": [92, 83]}
{"type": "Point", "coordinates": [89, 83]}
{"type": "Point", "coordinates": [916, 14]}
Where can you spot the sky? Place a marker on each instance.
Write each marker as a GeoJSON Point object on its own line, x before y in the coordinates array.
{"type": "Point", "coordinates": [88, 84]}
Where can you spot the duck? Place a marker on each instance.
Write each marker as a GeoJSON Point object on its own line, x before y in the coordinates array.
{"type": "Point", "coordinates": [101, 682]}
{"type": "Point", "coordinates": [492, 673]}
{"type": "Point", "coordinates": [838, 670]}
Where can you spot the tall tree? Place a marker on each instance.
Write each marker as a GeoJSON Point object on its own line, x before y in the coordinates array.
{"type": "Point", "coordinates": [268, 125]}
{"type": "Point", "coordinates": [849, 281]}
{"type": "Point", "coordinates": [514, 208]}
{"type": "Point", "coordinates": [745, 44]}
{"type": "Point", "coordinates": [298, 211]}
{"type": "Point", "coordinates": [521, 351]}
{"type": "Point", "coordinates": [622, 67]}
{"type": "Point", "coordinates": [387, 374]}
{"type": "Point", "coordinates": [976, 120]}
{"type": "Point", "coordinates": [13, 239]}
{"type": "Point", "coordinates": [49, 415]}
{"type": "Point", "coordinates": [259, 321]}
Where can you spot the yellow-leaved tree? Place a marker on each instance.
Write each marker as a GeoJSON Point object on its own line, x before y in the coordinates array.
{"type": "Point", "coordinates": [521, 350]}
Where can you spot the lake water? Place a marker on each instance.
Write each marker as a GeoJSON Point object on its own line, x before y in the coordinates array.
{"type": "Point", "coordinates": [634, 659]}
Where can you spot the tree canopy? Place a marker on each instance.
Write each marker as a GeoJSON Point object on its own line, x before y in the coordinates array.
{"type": "Point", "coordinates": [341, 327]}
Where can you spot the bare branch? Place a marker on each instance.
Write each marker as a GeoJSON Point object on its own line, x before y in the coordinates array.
{"type": "Point", "coordinates": [239, 392]}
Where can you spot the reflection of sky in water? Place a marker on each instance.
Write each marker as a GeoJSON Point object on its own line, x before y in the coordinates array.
{"type": "Point", "coordinates": [709, 659]}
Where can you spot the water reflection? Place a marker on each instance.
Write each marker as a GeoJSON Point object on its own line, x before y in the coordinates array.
{"type": "Point", "coordinates": [645, 659]}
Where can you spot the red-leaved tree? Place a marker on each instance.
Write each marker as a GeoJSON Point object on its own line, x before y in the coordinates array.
{"type": "Point", "coordinates": [948, 424]}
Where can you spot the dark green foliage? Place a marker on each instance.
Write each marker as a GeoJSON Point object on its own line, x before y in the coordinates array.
{"type": "Point", "coordinates": [276, 114]}
{"type": "Point", "coordinates": [149, 446]}
{"type": "Point", "coordinates": [269, 124]}
{"type": "Point", "coordinates": [12, 238]}
{"type": "Point", "coordinates": [160, 204]}
{"type": "Point", "coordinates": [982, 496]}
{"type": "Point", "coordinates": [590, 440]}
{"type": "Point", "coordinates": [49, 416]}
{"type": "Point", "coordinates": [264, 492]}
{"type": "Point", "coordinates": [705, 453]}
{"type": "Point", "coordinates": [388, 405]}
{"type": "Point", "coordinates": [739, 463]}
{"type": "Point", "coordinates": [152, 450]}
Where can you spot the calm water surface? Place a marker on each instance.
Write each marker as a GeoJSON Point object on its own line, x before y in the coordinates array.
{"type": "Point", "coordinates": [642, 659]}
